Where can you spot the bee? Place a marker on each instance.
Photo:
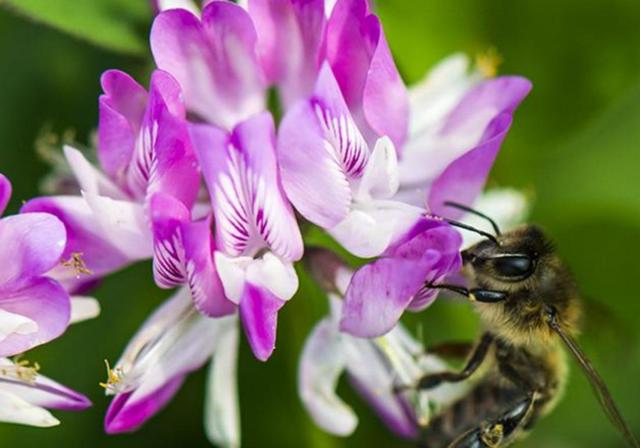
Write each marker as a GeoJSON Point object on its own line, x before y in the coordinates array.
{"type": "Point", "coordinates": [529, 306]}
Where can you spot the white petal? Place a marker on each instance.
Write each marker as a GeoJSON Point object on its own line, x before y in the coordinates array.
{"type": "Point", "coordinates": [124, 224]}
{"type": "Point", "coordinates": [276, 275]}
{"type": "Point", "coordinates": [14, 409]}
{"type": "Point", "coordinates": [222, 413]}
{"type": "Point", "coordinates": [380, 179]}
{"type": "Point", "coordinates": [189, 5]}
{"type": "Point", "coordinates": [90, 179]}
{"type": "Point", "coordinates": [321, 364]}
{"type": "Point", "coordinates": [83, 308]}
{"type": "Point", "coordinates": [232, 274]}
{"type": "Point", "coordinates": [11, 323]}
{"type": "Point", "coordinates": [370, 227]}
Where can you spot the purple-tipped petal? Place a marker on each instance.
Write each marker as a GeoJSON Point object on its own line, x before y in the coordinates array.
{"type": "Point", "coordinates": [126, 415]}
{"type": "Point", "coordinates": [363, 65]}
{"type": "Point", "coordinates": [463, 178]}
{"type": "Point", "coordinates": [380, 291]}
{"type": "Point", "coordinates": [44, 302]}
{"type": "Point", "coordinates": [248, 202]}
{"type": "Point", "coordinates": [121, 110]}
{"type": "Point", "coordinates": [5, 193]}
{"type": "Point", "coordinates": [32, 244]}
{"type": "Point", "coordinates": [214, 60]}
{"type": "Point", "coordinates": [45, 392]}
{"type": "Point", "coordinates": [290, 43]}
{"type": "Point", "coordinates": [259, 313]}
{"type": "Point", "coordinates": [206, 288]}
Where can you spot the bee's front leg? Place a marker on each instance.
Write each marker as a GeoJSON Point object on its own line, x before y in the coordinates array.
{"type": "Point", "coordinates": [501, 431]}
{"type": "Point", "coordinates": [475, 360]}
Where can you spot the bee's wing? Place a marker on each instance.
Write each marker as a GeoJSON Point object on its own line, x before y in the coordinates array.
{"type": "Point", "coordinates": [598, 385]}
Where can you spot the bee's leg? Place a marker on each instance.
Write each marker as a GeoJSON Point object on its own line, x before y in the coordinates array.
{"type": "Point", "coordinates": [476, 294]}
{"type": "Point", "coordinates": [477, 356]}
{"type": "Point", "coordinates": [451, 349]}
{"type": "Point", "coordinates": [498, 432]}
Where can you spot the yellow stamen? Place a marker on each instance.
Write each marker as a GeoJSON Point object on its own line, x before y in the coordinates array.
{"type": "Point", "coordinates": [488, 62]}
{"type": "Point", "coordinates": [76, 263]}
{"type": "Point", "coordinates": [114, 376]}
{"type": "Point", "coordinates": [21, 369]}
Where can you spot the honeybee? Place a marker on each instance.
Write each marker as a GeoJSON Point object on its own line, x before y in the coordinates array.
{"type": "Point", "coordinates": [529, 306]}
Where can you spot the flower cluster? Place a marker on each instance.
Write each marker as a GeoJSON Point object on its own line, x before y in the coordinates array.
{"type": "Point", "coordinates": [196, 174]}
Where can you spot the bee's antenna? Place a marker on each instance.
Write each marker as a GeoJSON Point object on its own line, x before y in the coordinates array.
{"type": "Point", "coordinates": [474, 212]}
{"type": "Point", "coordinates": [472, 229]}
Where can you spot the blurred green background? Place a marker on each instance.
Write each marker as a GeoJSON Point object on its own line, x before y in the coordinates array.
{"type": "Point", "coordinates": [574, 147]}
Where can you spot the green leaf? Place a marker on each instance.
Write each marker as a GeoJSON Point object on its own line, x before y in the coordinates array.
{"type": "Point", "coordinates": [118, 25]}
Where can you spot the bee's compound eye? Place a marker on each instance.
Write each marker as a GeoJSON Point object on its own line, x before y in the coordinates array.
{"type": "Point", "coordinates": [515, 267]}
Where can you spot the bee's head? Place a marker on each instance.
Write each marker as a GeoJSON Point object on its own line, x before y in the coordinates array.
{"type": "Point", "coordinates": [511, 259]}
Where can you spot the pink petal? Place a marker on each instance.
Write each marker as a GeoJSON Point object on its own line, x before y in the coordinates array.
{"type": "Point", "coordinates": [32, 244]}
{"type": "Point", "coordinates": [463, 178]}
{"type": "Point", "coordinates": [5, 193]}
{"type": "Point", "coordinates": [43, 301]}
{"type": "Point", "coordinates": [121, 110]}
{"type": "Point", "coordinates": [363, 65]}
{"type": "Point", "coordinates": [259, 314]}
{"type": "Point", "coordinates": [214, 61]}
{"type": "Point", "coordinates": [290, 43]}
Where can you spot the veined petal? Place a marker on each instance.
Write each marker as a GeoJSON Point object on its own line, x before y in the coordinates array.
{"type": "Point", "coordinates": [168, 215]}
{"type": "Point", "coordinates": [5, 193]}
{"type": "Point", "coordinates": [32, 244]}
{"type": "Point", "coordinates": [14, 409]}
{"type": "Point", "coordinates": [122, 107]}
{"type": "Point", "coordinates": [249, 205]}
{"type": "Point", "coordinates": [222, 413]}
{"type": "Point", "coordinates": [321, 364]}
{"type": "Point", "coordinates": [214, 60]}
{"type": "Point", "coordinates": [363, 66]}
{"type": "Point", "coordinates": [274, 274]}
{"type": "Point", "coordinates": [259, 314]}
{"type": "Point", "coordinates": [290, 43]}
{"type": "Point", "coordinates": [41, 391]}
{"type": "Point", "coordinates": [44, 302]}
{"type": "Point", "coordinates": [83, 308]}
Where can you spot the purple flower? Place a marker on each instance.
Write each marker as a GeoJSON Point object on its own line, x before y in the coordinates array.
{"type": "Point", "coordinates": [175, 341]}
{"type": "Point", "coordinates": [143, 148]}
{"type": "Point", "coordinates": [382, 290]}
{"type": "Point", "coordinates": [34, 309]}
{"type": "Point", "coordinates": [374, 367]}
{"type": "Point", "coordinates": [335, 179]}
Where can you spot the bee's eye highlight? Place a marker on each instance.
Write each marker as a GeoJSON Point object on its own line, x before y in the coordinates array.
{"type": "Point", "coordinates": [515, 267]}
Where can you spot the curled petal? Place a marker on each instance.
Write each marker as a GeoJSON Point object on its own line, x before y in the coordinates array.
{"type": "Point", "coordinates": [214, 60]}
{"type": "Point", "coordinates": [90, 179]}
{"type": "Point", "coordinates": [274, 274]}
{"type": "Point", "coordinates": [43, 302]}
{"type": "Point", "coordinates": [83, 308]}
{"type": "Point", "coordinates": [5, 193]}
{"type": "Point", "coordinates": [363, 65]}
{"type": "Point", "coordinates": [259, 313]}
{"type": "Point", "coordinates": [121, 108]}
{"type": "Point", "coordinates": [322, 362]}
{"type": "Point", "coordinates": [14, 409]}
{"type": "Point", "coordinates": [32, 244]}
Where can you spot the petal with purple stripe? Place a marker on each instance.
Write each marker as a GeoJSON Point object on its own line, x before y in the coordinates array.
{"type": "Point", "coordinates": [259, 314]}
